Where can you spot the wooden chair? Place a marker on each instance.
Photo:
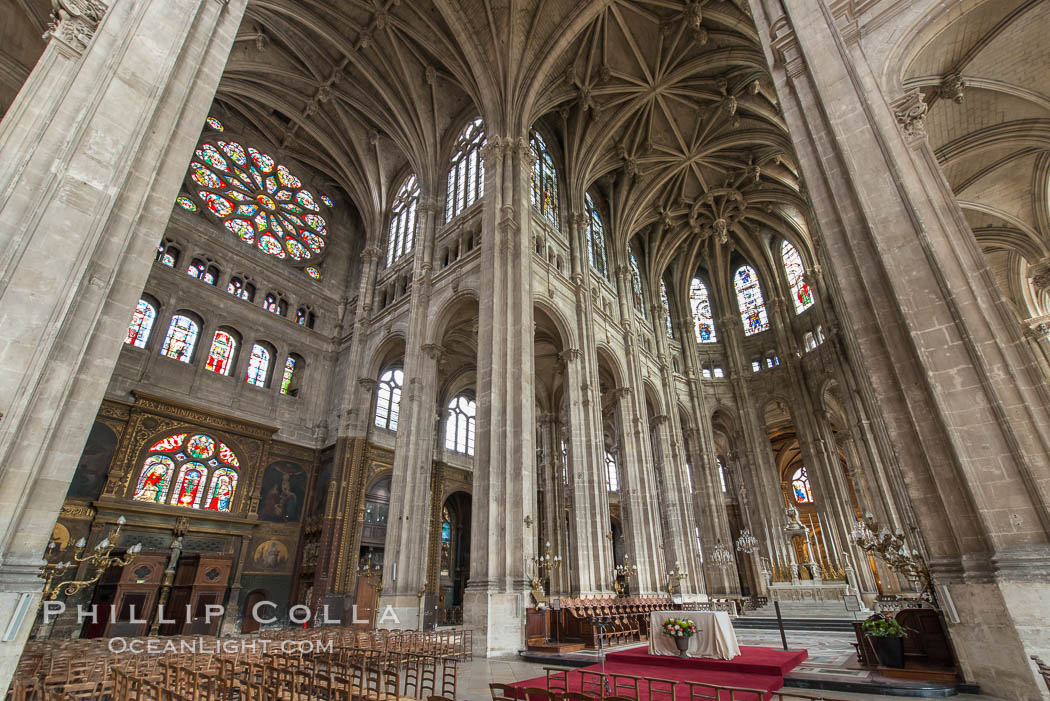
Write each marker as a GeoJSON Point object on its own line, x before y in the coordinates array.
{"type": "Point", "coordinates": [534, 694]}
{"type": "Point", "coordinates": [701, 692]}
{"type": "Point", "coordinates": [625, 685]}
{"type": "Point", "coordinates": [593, 684]}
{"type": "Point", "coordinates": [661, 689]}
{"type": "Point", "coordinates": [574, 696]}
{"type": "Point", "coordinates": [1044, 670]}
{"type": "Point", "coordinates": [557, 679]}
{"type": "Point", "coordinates": [503, 692]}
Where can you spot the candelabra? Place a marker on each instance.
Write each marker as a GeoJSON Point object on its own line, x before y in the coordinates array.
{"type": "Point", "coordinates": [746, 543]}
{"type": "Point", "coordinates": [721, 556]}
{"type": "Point", "coordinates": [623, 572]}
{"type": "Point", "coordinates": [674, 577]}
{"type": "Point", "coordinates": [545, 564]}
{"type": "Point", "coordinates": [100, 558]}
{"type": "Point", "coordinates": [370, 570]}
{"type": "Point", "coordinates": [890, 548]}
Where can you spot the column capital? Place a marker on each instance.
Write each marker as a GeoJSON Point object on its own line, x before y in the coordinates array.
{"type": "Point", "coordinates": [73, 22]}
{"type": "Point", "coordinates": [910, 112]}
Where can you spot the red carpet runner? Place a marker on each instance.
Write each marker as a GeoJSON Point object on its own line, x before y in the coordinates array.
{"type": "Point", "coordinates": [756, 668]}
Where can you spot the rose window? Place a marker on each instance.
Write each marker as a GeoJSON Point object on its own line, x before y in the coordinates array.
{"type": "Point", "coordinates": [258, 199]}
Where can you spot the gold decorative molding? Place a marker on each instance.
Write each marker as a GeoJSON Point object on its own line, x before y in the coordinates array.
{"type": "Point", "coordinates": [77, 511]}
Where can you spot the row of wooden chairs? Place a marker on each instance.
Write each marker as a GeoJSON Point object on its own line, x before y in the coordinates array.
{"type": "Point", "coordinates": [599, 686]}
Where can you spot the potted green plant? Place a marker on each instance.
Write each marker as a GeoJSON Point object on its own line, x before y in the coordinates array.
{"type": "Point", "coordinates": [887, 639]}
{"type": "Point", "coordinates": [680, 630]}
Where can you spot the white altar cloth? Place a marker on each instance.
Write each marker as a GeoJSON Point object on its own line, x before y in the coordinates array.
{"type": "Point", "coordinates": [714, 637]}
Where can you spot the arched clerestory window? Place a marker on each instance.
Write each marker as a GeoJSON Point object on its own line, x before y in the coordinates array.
{"type": "Point", "coordinates": [612, 477]}
{"type": "Point", "coordinates": [141, 324]}
{"type": "Point", "coordinates": [749, 300]}
{"type": "Point", "coordinates": [223, 350]}
{"type": "Point", "coordinates": [796, 276]}
{"type": "Point", "coordinates": [259, 366]}
{"type": "Point", "coordinates": [703, 319]}
{"type": "Point", "coordinates": [466, 173]}
{"type": "Point", "coordinates": [459, 426]}
{"type": "Point", "coordinates": [596, 238]}
{"type": "Point", "coordinates": [637, 293]}
{"type": "Point", "coordinates": [181, 339]}
{"type": "Point", "coordinates": [666, 305]}
{"type": "Point", "coordinates": [293, 370]}
{"type": "Point", "coordinates": [403, 221]}
{"type": "Point", "coordinates": [544, 181]}
{"type": "Point", "coordinates": [241, 289]}
{"type": "Point", "coordinates": [800, 489]}
{"type": "Point", "coordinates": [388, 398]}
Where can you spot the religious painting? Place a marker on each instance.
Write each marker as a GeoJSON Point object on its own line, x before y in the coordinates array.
{"type": "Point", "coordinates": [283, 492]}
{"type": "Point", "coordinates": [270, 555]}
{"type": "Point", "coordinates": [93, 468]}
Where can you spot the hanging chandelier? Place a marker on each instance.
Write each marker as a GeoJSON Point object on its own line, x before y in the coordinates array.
{"type": "Point", "coordinates": [721, 555]}
{"type": "Point", "coordinates": [746, 543]}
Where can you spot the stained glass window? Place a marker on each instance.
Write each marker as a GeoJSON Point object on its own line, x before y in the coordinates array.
{"type": "Point", "coordinates": [240, 288]}
{"type": "Point", "coordinates": [292, 364]}
{"type": "Point", "coordinates": [186, 203]}
{"type": "Point", "coordinates": [636, 283]}
{"type": "Point", "coordinates": [155, 479]}
{"type": "Point", "coordinates": [214, 124]}
{"type": "Point", "coordinates": [544, 180]}
{"type": "Point", "coordinates": [196, 269]}
{"type": "Point", "coordinates": [796, 275]}
{"type": "Point", "coordinates": [220, 358]}
{"type": "Point", "coordinates": [466, 174]}
{"type": "Point", "coordinates": [189, 456]}
{"type": "Point", "coordinates": [388, 399]}
{"type": "Point", "coordinates": [666, 304]}
{"type": "Point", "coordinates": [703, 320]}
{"type": "Point", "coordinates": [167, 255]}
{"type": "Point", "coordinates": [327, 200]}
{"type": "Point", "coordinates": [181, 339]}
{"type": "Point", "coordinates": [459, 428]}
{"type": "Point", "coordinates": [596, 238]}
{"type": "Point", "coordinates": [258, 366]}
{"type": "Point", "coordinates": [313, 272]}
{"type": "Point", "coordinates": [722, 473]}
{"type": "Point", "coordinates": [220, 493]}
{"type": "Point", "coordinates": [258, 199]}
{"type": "Point", "coordinates": [141, 324]}
{"type": "Point", "coordinates": [749, 300]}
{"type": "Point", "coordinates": [272, 303]}
{"type": "Point", "coordinates": [612, 477]}
{"type": "Point", "coordinates": [800, 486]}
{"type": "Point", "coordinates": [403, 221]}
{"type": "Point", "coordinates": [446, 541]}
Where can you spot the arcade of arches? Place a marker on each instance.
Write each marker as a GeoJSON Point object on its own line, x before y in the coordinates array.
{"type": "Point", "coordinates": [416, 289]}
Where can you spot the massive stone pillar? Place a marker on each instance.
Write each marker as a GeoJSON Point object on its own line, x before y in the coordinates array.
{"type": "Point", "coordinates": [965, 404]}
{"type": "Point", "coordinates": [504, 509]}
{"type": "Point", "coordinates": [92, 154]}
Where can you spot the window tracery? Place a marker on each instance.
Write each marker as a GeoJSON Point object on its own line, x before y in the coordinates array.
{"type": "Point", "coordinates": [459, 428]}
{"type": "Point", "coordinates": [192, 456]}
{"type": "Point", "coordinates": [388, 399]}
{"type": "Point", "coordinates": [141, 324]}
{"type": "Point", "coordinates": [637, 295]}
{"type": "Point", "coordinates": [241, 289]}
{"type": "Point", "coordinates": [181, 339]}
{"type": "Point", "coordinates": [800, 489]}
{"type": "Point", "coordinates": [544, 181]}
{"type": "Point", "coordinates": [796, 275]}
{"type": "Point", "coordinates": [703, 320]}
{"type": "Point", "coordinates": [258, 366]}
{"type": "Point", "coordinates": [403, 221]}
{"type": "Point", "coordinates": [596, 238]}
{"type": "Point", "coordinates": [466, 174]}
{"type": "Point", "coordinates": [258, 199]}
{"type": "Point", "coordinates": [749, 300]}
{"type": "Point", "coordinates": [220, 357]}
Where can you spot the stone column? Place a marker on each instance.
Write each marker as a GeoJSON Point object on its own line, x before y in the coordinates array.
{"type": "Point", "coordinates": [407, 526]}
{"type": "Point", "coordinates": [965, 404]}
{"type": "Point", "coordinates": [92, 154]}
{"type": "Point", "coordinates": [505, 457]}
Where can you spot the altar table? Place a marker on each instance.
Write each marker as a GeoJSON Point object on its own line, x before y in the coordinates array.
{"type": "Point", "coordinates": [714, 637]}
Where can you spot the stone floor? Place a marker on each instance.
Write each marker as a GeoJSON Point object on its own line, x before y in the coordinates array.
{"type": "Point", "coordinates": [831, 655]}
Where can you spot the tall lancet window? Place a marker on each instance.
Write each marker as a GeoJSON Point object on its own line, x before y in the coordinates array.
{"type": "Point", "coordinates": [612, 477]}
{"type": "Point", "coordinates": [403, 220]}
{"type": "Point", "coordinates": [459, 427]}
{"type": "Point", "coordinates": [703, 320]}
{"type": "Point", "coordinates": [749, 300]}
{"type": "Point", "coordinates": [796, 275]}
{"type": "Point", "coordinates": [466, 173]}
{"type": "Point", "coordinates": [665, 303]}
{"type": "Point", "coordinates": [596, 238]}
{"type": "Point", "coordinates": [544, 180]}
{"type": "Point", "coordinates": [388, 398]}
{"type": "Point", "coordinates": [637, 295]}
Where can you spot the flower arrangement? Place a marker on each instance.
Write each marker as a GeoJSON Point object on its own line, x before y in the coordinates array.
{"type": "Point", "coordinates": [882, 627]}
{"type": "Point", "coordinates": [679, 628]}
